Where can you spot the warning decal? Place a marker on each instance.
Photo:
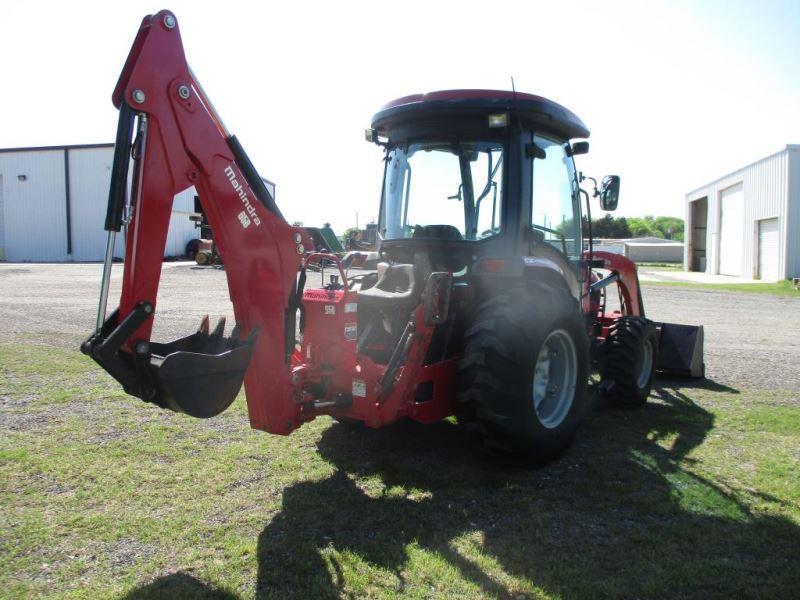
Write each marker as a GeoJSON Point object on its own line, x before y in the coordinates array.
{"type": "Point", "coordinates": [359, 388]}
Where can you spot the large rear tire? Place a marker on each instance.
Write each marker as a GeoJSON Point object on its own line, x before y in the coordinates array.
{"type": "Point", "coordinates": [631, 354]}
{"type": "Point", "coordinates": [523, 377]}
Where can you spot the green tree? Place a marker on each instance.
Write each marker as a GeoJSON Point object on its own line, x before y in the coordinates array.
{"type": "Point", "coordinates": [346, 235]}
{"type": "Point", "coordinates": [670, 228]}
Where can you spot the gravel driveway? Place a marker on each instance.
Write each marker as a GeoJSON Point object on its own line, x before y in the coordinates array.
{"type": "Point", "coordinates": [752, 340]}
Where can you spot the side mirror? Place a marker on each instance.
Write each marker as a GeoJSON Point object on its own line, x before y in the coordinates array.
{"type": "Point", "coordinates": [578, 148]}
{"type": "Point", "coordinates": [609, 192]}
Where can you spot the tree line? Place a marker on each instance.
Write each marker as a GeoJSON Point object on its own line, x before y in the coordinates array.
{"type": "Point", "coordinates": [670, 228]}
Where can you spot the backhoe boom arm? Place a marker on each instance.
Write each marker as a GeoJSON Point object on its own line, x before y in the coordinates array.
{"type": "Point", "coordinates": [182, 142]}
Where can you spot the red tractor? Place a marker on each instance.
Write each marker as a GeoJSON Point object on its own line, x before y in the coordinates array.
{"type": "Point", "coordinates": [488, 305]}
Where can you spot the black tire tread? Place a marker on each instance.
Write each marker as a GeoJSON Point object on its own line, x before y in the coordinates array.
{"type": "Point", "coordinates": [497, 347]}
{"type": "Point", "coordinates": [625, 338]}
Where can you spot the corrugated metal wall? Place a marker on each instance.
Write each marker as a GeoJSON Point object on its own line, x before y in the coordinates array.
{"type": "Point", "coordinates": [33, 206]}
{"type": "Point", "coordinates": [181, 229]}
{"type": "Point", "coordinates": [792, 224]}
{"type": "Point", "coordinates": [765, 185]}
{"type": "Point", "coordinates": [2, 228]}
{"type": "Point", "coordinates": [90, 176]}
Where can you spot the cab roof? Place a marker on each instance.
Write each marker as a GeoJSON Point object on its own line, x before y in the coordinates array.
{"type": "Point", "coordinates": [451, 103]}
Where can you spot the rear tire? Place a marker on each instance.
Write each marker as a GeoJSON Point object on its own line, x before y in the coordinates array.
{"type": "Point", "coordinates": [631, 354]}
{"type": "Point", "coordinates": [523, 378]}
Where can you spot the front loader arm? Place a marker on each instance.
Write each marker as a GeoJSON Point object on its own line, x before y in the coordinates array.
{"type": "Point", "coordinates": [182, 142]}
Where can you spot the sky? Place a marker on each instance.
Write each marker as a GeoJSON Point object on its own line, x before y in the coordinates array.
{"type": "Point", "coordinates": [676, 94]}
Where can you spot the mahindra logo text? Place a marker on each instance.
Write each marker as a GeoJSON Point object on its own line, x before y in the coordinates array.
{"type": "Point", "coordinates": [249, 208]}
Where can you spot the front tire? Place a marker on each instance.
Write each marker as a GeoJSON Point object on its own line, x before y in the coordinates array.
{"type": "Point", "coordinates": [523, 378]}
{"type": "Point", "coordinates": [631, 354]}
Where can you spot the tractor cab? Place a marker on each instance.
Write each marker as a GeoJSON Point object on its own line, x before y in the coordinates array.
{"type": "Point", "coordinates": [460, 183]}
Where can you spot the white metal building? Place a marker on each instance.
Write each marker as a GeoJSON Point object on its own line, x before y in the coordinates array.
{"type": "Point", "coordinates": [643, 249]}
{"type": "Point", "coordinates": [53, 205]}
{"type": "Point", "coordinates": [747, 223]}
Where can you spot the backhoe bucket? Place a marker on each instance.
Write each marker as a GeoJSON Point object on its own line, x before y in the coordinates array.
{"type": "Point", "coordinates": [680, 350]}
{"type": "Point", "coordinates": [199, 375]}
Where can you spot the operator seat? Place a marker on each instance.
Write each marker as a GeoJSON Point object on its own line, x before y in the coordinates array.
{"type": "Point", "coordinates": [384, 310]}
{"type": "Point", "coordinates": [436, 232]}
{"type": "Point", "coordinates": [396, 290]}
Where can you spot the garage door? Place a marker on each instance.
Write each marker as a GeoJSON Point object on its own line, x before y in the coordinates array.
{"type": "Point", "coordinates": [768, 250]}
{"type": "Point", "coordinates": [731, 230]}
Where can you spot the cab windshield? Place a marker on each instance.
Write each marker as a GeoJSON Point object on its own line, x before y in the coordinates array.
{"type": "Point", "coordinates": [443, 190]}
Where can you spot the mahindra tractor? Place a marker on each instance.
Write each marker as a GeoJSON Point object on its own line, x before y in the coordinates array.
{"type": "Point", "coordinates": [488, 304]}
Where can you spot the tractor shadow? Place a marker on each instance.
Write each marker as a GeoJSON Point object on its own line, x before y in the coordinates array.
{"type": "Point", "coordinates": [608, 519]}
{"type": "Point", "coordinates": [178, 586]}
{"type": "Point", "coordinates": [622, 514]}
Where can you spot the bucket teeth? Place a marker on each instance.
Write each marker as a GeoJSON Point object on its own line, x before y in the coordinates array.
{"type": "Point", "coordinates": [216, 340]}
{"type": "Point", "coordinates": [203, 325]}
{"type": "Point", "coordinates": [219, 329]}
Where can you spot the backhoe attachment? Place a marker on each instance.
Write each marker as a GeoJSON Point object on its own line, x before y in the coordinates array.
{"type": "Point", "coordinates": [171, 138]}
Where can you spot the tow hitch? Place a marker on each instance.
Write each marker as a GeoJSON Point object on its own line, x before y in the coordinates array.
{"type": "Point", "coordinates": [199, 375]}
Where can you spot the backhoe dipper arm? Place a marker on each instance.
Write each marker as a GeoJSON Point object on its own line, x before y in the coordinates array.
{"type": "Point", "coordinates": [182, 142]}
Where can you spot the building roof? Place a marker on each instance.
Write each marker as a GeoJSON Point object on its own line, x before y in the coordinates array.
{"type": "Point", "coordinates": [65, 147]}
{"type": "Point", "coordinates": [665, 244]}
{"type": "Point", "coordinates": [787, 148]}
{"type": "Point", "coordinates": [640, 240]}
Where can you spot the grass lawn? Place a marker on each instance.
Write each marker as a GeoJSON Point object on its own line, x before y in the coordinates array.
{"type": "Point", "coordinates": [656, 266]}
{"type": "Point", "coordinates": [695, 495]}
{"type": "Point", "coordinates": [779, 288]}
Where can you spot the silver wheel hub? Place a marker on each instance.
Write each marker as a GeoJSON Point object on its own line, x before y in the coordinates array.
{"type": "Point", "coordinates": [555, 378]}
{"type": "Point", "coordinates": [644, 367]}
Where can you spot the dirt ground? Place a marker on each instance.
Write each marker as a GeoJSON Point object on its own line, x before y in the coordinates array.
{"type": "Point", "coordinates": [751, 341]}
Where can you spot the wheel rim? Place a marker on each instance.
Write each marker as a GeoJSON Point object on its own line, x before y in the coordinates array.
{"type": "Point", "coordinates": [644, 367]}
{"type": "Point", "coordinates": [554, 378]}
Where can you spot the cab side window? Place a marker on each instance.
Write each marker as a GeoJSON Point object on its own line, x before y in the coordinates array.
{"type": "Point", "coordinates": [554, 205]}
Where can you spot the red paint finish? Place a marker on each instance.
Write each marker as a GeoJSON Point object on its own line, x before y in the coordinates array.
{"type": "Point", "coordinates": [628, 280]}
{"type": "Point", "coordinates": [186, 146]}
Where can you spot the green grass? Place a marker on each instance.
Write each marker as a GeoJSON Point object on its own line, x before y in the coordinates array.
{"type": "Point", "coordinates": [657, 266]}
{"type": "Point", "coordinates": [779, 288]}
{"type": "Point", "coordinates": [695, 495]}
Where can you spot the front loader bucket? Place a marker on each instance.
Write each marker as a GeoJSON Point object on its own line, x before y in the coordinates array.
{"type": "Point", "coordinates": [680, 350]}
{"type": "Point", "coordinates": [199, 375]}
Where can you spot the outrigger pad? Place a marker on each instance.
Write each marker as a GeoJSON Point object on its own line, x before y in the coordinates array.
{"type": "Point", "coordinates": [680, 350]}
